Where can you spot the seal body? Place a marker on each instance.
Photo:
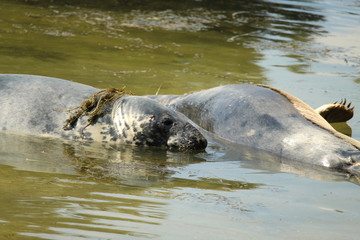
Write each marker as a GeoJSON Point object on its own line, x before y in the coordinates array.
{"type": "Point", "coordinates": [268, 119]}
{"type": "Point", "coordinates": [37, 105]}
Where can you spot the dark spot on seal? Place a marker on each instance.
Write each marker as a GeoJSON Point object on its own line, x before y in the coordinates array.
{"type": "Point", "coordinates": [265, 120]}
{"type": "Point", "coordinates": [124, 133]}
{"type": "Point", "coordinates": [269, 121]}
{"type": "Point", "coordinates": [112, 131]}
{"type": "Point", "coordinates": [168, 122]}
{"type": "Point", "coordinates": [87, 134]}
{"type": "Point", "coordinates": [113, 134]}
{"type": "Point", "coordinates": [107, 119]}
{"type": "Point", "coordinates": [133, 125]}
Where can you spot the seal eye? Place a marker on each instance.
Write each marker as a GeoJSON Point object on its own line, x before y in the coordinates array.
{"type": "Point", "coordinates": [167, 122]}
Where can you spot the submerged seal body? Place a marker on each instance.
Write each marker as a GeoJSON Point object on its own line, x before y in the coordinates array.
{"type": "Point", "coordinates": [269, 119]}
{"type": "Point", "coordinates": [37, 105]}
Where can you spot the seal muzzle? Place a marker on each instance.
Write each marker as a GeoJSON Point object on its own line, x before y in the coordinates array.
{"type": "Point", "coordinates": [186, 137]}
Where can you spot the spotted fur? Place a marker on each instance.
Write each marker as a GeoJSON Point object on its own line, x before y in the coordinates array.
{"type": "Point", "coordinates": [142, 122]}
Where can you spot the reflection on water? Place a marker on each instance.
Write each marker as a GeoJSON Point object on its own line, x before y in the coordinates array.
{"type": "Point", "coordinates": [91, 192]}
{"type": "Point", "coordinates": [51, 189]}
{"type": "Point", "coordinates": [126, 164]}
{"type": "Point", "coordinates": [63, 190]}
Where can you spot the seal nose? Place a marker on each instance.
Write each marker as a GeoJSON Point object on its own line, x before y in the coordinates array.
{"type": "Point", "coordinates": [186, 137]}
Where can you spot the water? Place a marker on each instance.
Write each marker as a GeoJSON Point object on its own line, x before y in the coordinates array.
{"type": "Point", "coordinates": [50, 189]}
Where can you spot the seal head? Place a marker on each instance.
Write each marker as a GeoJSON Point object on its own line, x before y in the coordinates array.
{"type": "Point", "coordinates": [144, 122]}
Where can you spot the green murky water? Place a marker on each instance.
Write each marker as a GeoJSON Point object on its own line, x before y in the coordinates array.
{"type": "Point", "coordinates": [51, 189]}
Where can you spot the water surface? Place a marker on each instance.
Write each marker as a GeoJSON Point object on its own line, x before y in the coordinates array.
{"type": "Point", "coordinates": [50, 189]}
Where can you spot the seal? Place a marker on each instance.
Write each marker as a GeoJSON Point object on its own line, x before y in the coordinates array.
{"type": "Point", "coordinates": [269, 119]}
{"type": "Point", "coordinates": [37, 105]}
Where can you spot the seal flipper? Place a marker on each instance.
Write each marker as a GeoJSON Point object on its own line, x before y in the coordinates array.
{"type": "Point", "coordinates": [336, 112]}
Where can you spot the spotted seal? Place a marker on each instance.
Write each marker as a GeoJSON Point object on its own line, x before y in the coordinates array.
{"type": "Point", "coordinates": [35, 105]}
{"type": "Point", "coordinates": [269, 119]}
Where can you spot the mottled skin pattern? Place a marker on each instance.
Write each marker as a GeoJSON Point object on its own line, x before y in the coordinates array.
{"type": "Point", "coordinates": [263, 118]}
{"type": "Point", "coordinates": [143, 122]}
{"type": "Point", "coordinates": [37, 105]}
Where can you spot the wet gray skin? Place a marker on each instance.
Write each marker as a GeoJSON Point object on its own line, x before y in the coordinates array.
{"type": "Point", "coordinates": [37, 105]}
{"type": "Point", "coordinates": [262, 118]}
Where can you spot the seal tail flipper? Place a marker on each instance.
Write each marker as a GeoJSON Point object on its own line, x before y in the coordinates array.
{"type": "Point", "coordinates": [336, 112]}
